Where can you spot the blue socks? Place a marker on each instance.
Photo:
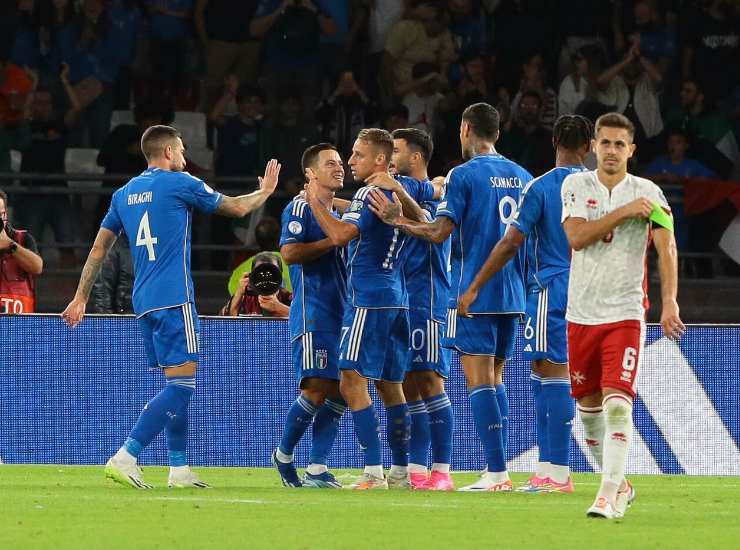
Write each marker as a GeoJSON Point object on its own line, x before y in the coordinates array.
{"type": "Point", "coordinates": [366, 428]}
{"type": "Point", "coordinates": [299, 418]}
{"type": "Point", "coordinates": [168, 407]}
{"type": "Point", "coordinates": [540, 409]}
{"type": "Point", "coordinates": [441, 424]}
{"type": "Point", "coordinates": [398, 432]}
{"type": "Point", "coordinates": [325, 427]}
{"type": "Point", "coordinates": [420, 433]}
{"type": "Point", "coordinates": [503, 407]}
{"type": "Point", "coordinates": [488, 424]}
{"type": "Point", "coordinates": [560, 413]}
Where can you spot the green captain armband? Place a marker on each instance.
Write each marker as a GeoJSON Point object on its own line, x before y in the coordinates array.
{"type": "Point", "coordinates": [661, 217]}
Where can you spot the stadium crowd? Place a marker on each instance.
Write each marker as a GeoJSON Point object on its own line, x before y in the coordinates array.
{"type": "Point", "coordinates": [270, 77]}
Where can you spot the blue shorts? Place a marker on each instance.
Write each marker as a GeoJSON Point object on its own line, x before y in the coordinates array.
{"type": "Point", "coordinates": [375, 343]}
{"type": "Point", "coordinates": [316, 355]}
{"type": "Point", "coordinates": [491, 335]}
{"type": "Point", "coordinates": [426, 352]}
{"type": "Point", "coordinates": [170, 336]}
{"type": "Point", "coordinates": [545, 328]}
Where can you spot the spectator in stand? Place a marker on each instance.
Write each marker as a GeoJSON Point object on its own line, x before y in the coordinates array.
{"type": "Point", "coordinates": [423, 101]}
{"type": "Point", "coordinates": [709, 130]}
{"type": "Point", "coordinates": [467, 26]}
{"type": "Point", "coordinates": [418, 38]}
{"type": "Point", "coordinates": [45, 154]}
{"type": "Point", "coordinates": [395, 117]}
{"type": "Point", "coordinates": [527, 141]}
{"type": "Point", "coordinates": [112, 290]}
{"type": "Point", "coordinates": [580, 23]}
{"type": "Point", "coordinates": [286, 138]}
{"type": "Point", "coordinates": [222, 27]}
{"type": "Point", "coordinates": [534, 79]}
{"type": "Point", "coordinates": [19, 264]}
{"type": "Point", "coordinates": [675, 167]}
{"type": "Point", "coordinates": [89, 48]}
{"type": "Point", "coordinates": [344, 113]}
{"type": "Point", "coordinates": [16, 87]}
{"type": "Point", "coordinates": [126, 23]}
{"type": "Point", "coordinates": [379, 17]}
{"type": "Point", "coordinates": [240, 149]}
{"type": "Point", "coordinates": [247, 302]}
{"type": "Point", "coordinates": [712, 44]}
{"type": "Point", "coordinates": [579, 84]}
{"type": "Point", "coordinates": [291, 31]}
{"type": "Point", "coordinates": [170, 29]}
{"type": "Point", "coordinates": [632, 86]}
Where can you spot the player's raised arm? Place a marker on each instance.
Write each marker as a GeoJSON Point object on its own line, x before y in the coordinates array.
{"type": "Point", "coordinates": [392, 214]}
{"type": "Point", "coordinates": [75, 311]}
{"type": "Point", "coordinates": [665, 244]}
{"type": "Point", "coordinates": [238, 207]}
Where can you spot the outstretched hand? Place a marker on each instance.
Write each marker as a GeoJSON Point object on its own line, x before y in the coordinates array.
{"type": "Point", "coordinates": [389, 212]}
{"type": "Point", "coordinates": [269, 181]}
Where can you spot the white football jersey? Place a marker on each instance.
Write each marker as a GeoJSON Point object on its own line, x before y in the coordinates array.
{"type": "Point", "coordinates": [608, 279]}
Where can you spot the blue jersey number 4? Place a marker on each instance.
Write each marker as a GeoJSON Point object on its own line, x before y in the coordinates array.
{"type": "Point", "coordinates": [144, 236]}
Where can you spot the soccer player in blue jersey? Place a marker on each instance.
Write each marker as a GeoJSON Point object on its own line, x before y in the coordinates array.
{"type": "Point", "coordinates": [155, 211]}
{"type": "Point", "coordinates": [319, 277]}
{"type": "Point", "coordinates": [548, 263]}
{"type": "Point", "coordinates": [428, 285]}
{"type": "Point", "coordinates": [375, 330]}
{"type": "Point", "coordinates": [480, 202]}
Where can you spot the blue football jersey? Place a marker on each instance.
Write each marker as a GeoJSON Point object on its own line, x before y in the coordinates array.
{"type": "Point", "coordinates": [425, 271]}
{"type": "Point", "coordinates": [319, 286]}
{"type": "Point", "coordinates": [538, 216]}
{"type": "Point", "coordinates": [481, 198]}
{"type": "Point", "coordinates": [375, 260]}
{"type": "Point", "coordinates": [155, 211]}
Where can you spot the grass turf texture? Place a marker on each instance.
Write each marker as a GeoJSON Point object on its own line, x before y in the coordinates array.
{"type": "Point", "coordinates": [75, 507]}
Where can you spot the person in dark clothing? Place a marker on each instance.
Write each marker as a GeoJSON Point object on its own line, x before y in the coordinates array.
{"type": "Point", "coordinates": [112, 290]}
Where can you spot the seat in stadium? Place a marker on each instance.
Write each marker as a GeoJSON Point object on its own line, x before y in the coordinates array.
{"type": "Point", "coordinates": [16, 157]}
{"type": "Point", "coordinates": [192, 127]}
{"type": "Point", "coordinates": [201, 157]}
{"type": "Point", "coordinates": [82, 161]}
{"type": "Point", "coordinates": [121, 117]}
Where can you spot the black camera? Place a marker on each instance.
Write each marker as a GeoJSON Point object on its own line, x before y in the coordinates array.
{"type": "Point", "coordinates": [265, 279]}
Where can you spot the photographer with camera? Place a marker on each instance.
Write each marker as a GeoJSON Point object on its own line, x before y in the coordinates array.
{"type": "Point", "coordinates": [19, 263]}
{"type": "Point", "coordinates": [260, 291]}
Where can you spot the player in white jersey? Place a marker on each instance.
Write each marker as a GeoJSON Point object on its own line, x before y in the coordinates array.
{"type": "Point", "coordinates": [606, 217]}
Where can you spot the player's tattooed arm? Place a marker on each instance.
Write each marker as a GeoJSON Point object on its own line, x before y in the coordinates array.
{"type": "Point", "coordinates": [582, 233]}
{"type": "Point", "coordinates": [392, 214]}
{"type": "Point", "coordinates": [665, 244]}
{"type": "Point", "coordinates": [504, 251]}
{"type": "Point", "coordinates": [411, 208]}
{"type": "Point", "coordinates": [75, 311]}
{"type": "Point", "coordinates": [301, 253]}
{"type": "Point", "coordinates": [238, 207]}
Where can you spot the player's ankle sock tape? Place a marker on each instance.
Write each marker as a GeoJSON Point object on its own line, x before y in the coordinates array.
{"type": "Point", "coordinates": [540, 410]}
{"type": "Point", "coordinates": [162, 407]}
{"type": "Point", "coordinates": [487, 419]}
{"type": "Point", "coordinates": [398, 432]}
{"type": "Point", "coordinates": [503, 407]}
{"type": "Point", "coordinates": [560, 413]}
{"type": "Point", "coordinates": [299, 418]}
{"type": "Point", "coordinates": [420, 440]}
{"type": "Point", "coordinates": [325, 428]}
{"type": "Point", "coordinates": [366, 428]}
{"type": "Point", "coordinates": [592, 419]}
{"type": "Point", "coordinates": [441, 425]}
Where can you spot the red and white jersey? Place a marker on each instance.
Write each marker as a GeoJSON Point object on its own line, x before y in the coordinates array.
{"type": "Point", "coordinates": [608, 279]}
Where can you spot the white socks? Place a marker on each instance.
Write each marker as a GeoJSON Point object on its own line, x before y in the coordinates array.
{"type": "Point", "coordinates": [417, 468]}
{"type": "Point", "coordinates": [398, 471]}
{"type": "Point", "coordinates": [376, 471]}
{"type": "Point", "coordinates": [282, 457]}
{"type": "Point", "coordinates": [617, 438]}
{"type": "Point", "coordinates": [123, 455]}
{"type": "Point", "coordinates": [442, 468]}
{"type": "Point", "coordinates": [593, 425]}
{"type": "Point", "coordinates": [543, 470]}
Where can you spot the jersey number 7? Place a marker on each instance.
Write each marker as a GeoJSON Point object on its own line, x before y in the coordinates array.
{"type": "Point", "coordinates": [144, 236]}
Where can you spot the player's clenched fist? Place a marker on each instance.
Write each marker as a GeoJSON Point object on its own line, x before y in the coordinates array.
{"type": "Point", "coordinates": [638, 208]}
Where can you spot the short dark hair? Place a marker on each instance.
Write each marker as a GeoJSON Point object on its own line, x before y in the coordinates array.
{"type": "Point", "coordinates": [572, 132]}
{"type": "Point", "coordinates": [156, 138]}
{"type": "Point", "coordinates": [483, 119]}
{"type": "Point", "coordinates": [418, 140]}
{"type": "Point", "coordinates": [615, 120]}
{"type": "Point", "coordinates": [311, 154]}
{"type": "Point", "coordinates": [381, 139]}
{"type": "Point", "coordinates": [267, 257]}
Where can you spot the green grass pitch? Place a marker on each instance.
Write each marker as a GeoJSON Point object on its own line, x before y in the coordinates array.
{"type": "Point", "coordinates": [63, 507]}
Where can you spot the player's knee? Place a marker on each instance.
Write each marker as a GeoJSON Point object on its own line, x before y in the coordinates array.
{"type": "Point", "coordinates": [430, 384]}
{"type": "Point", "coordinates": [617, 410]}
{"type": "Point", "coordinates": [315, 396]}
